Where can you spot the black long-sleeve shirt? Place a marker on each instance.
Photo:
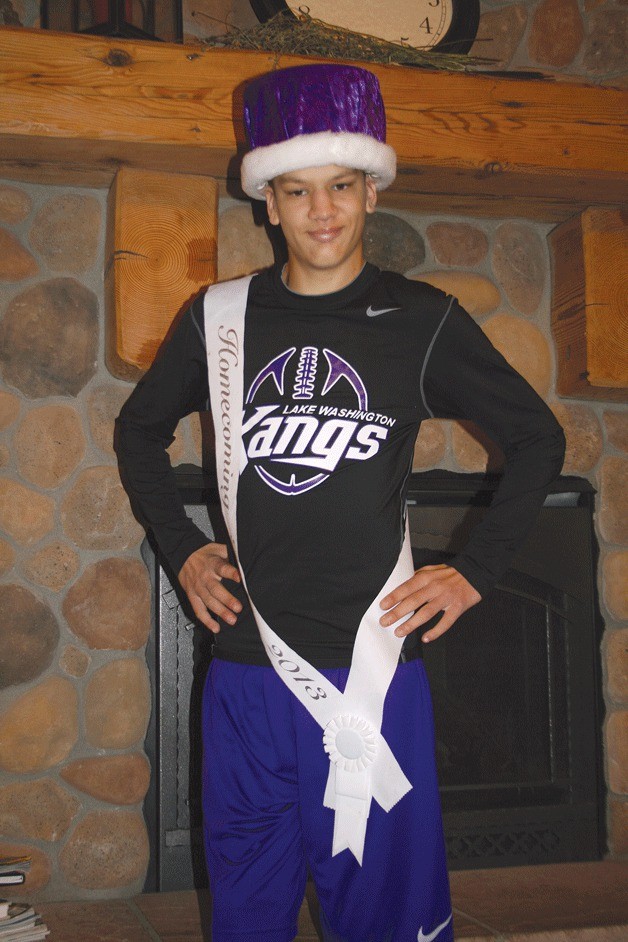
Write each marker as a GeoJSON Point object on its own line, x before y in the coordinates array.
{"type": "Point", "coordinates": [336, 387]}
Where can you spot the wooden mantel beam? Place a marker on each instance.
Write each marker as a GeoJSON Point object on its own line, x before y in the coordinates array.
{"type": "Point", "coordinates": [75, 108]}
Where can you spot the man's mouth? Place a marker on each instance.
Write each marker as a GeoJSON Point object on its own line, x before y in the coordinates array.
{"type": "Point", "coordinates": [325, 235]}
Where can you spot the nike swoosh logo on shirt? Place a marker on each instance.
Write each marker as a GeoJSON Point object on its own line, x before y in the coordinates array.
{"type": "Point", "coordinates": [386, 310]}
{"type": "Point", "coordinates": [432, 935]}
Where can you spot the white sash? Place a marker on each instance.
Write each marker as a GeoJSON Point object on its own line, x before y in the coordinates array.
{"type": "Point", "coordinates": [362, 765]}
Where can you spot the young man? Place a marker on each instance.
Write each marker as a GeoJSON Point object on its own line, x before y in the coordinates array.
{"type": "Point", "coordinates": [318, 736]}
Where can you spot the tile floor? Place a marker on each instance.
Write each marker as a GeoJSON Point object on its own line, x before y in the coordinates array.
{"type": "Point", "coordinates": [580, 902]}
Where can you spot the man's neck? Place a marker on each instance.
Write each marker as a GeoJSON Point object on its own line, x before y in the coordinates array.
{"type": "Point", "coordinates": [325, 281]}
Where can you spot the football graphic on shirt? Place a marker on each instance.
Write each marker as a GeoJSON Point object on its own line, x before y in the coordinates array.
{"type": "Point", "coordinates": [295, 433]}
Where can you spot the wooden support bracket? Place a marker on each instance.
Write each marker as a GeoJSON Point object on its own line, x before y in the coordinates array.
{"type": "Point", "coordinates": [590, 304]}
{"type": "Point", "coordinates": [161, 252]}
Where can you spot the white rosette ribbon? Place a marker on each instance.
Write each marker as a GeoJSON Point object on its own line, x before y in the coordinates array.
{"type": "Point", "coordinates": [350, 741]}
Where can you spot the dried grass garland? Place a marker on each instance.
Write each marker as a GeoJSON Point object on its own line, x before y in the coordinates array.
{"type": "Point", "coordinates": [299, 34]}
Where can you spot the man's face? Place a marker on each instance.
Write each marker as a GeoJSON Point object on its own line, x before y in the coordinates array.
{"type": "Point", "coordinates": [322, 211]}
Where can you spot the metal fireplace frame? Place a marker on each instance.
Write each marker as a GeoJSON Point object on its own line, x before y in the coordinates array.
{"type": "Point", "coordinates": [559, 818]}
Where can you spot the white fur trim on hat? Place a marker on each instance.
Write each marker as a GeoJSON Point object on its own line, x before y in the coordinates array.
{"type": "Point", "coordinates": [344, 148]}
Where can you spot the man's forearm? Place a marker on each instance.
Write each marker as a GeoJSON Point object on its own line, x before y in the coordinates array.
{"type": "Point", "coordinates": [175, 386]}
{"type": "Point", "coordinates": [530, 469]}
{"type": "Point", "coordinates": [150, 482]}
{"type": "Point", "coordinates": [468, 379]}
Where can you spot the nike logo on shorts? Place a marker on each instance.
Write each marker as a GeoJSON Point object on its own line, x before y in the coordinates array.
{"type": "Point", "coordinates": [386, 310]}
{"type": "Point", "coordinates": [421, 937]}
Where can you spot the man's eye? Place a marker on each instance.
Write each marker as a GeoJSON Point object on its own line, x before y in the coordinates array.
{"type": "Point", "coordinates": [296, 192]}
{"type": "Point", "coordinates": [341, 186]}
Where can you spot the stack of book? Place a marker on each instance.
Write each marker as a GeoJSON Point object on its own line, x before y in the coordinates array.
{"type": "Point", "coordinates": [13, 870]}
{"type": "Point", "coordinates": [18, 921]}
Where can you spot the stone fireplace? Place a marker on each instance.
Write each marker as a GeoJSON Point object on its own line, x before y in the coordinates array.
{"type": "Point", "coordinates": [75, 700]}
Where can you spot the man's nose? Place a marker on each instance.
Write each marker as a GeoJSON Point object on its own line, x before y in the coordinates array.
{"type": "Point", "coordinates": [321, 206]}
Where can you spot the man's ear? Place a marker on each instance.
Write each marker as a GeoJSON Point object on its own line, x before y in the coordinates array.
{"type": "Point", "coordinates": [371, 193]}
{"type": "Point", "coordinates": [271, 205]}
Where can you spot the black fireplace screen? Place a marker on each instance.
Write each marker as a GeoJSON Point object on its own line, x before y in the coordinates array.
{"type": "Point", "coordinates": [515, 684]}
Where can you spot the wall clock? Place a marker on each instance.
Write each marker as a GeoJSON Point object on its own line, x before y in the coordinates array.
{"type": "Point", "coordinates": [450, 25]}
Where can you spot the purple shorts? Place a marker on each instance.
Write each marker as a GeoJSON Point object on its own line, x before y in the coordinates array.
{"type": "Point", "coordinates": [264, 776]}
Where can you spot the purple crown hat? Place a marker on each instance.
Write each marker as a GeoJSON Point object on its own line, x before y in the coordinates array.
{"type": "Point", "coordinates": [311, 116]}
